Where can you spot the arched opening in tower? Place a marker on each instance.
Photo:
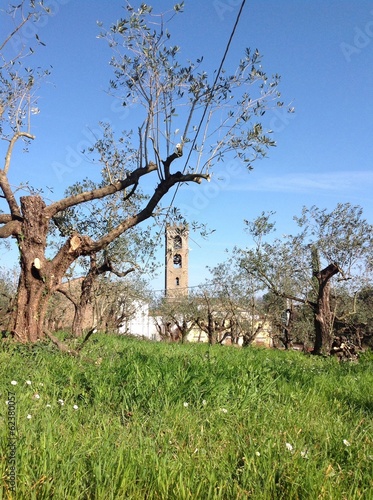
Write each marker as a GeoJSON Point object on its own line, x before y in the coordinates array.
{"type": "Point", "coordinates": [177, 260]}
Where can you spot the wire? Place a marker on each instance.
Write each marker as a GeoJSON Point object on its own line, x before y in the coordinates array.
{"type": "Point", "coordinates": [161, 290]}
{"type": "Point", "coordinates": [215, 82]}
{"type": "Point", "coordinates": [204, 112]}
{"type": "Point", "coordinates": [211, 95]}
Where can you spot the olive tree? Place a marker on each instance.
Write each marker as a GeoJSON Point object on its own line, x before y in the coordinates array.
{"type": "Point", "coordinates": [330, 247]}
{"type": "Point", "coordinates": [129, 253]}
{"type": "Point", "coordinates": [8, 288]}
{"type": "Point", "coordinates": [235, 295]}
{"type": "Point", "coordinates": [175, 317]}
{"type": "Point", "coordinates": [217, 117]}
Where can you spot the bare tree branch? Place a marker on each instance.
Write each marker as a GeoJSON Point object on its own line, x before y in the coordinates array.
{"type": "Point", "coordinates": [9, 196]}
{"type": "Point", "coordinates": [163, 187]}
{"type": "Point", "coordinates": [30, 14]}
{"type": "Point", "coordinates": [61, 346]}
{"type": "Point", "coordinates": [4, 218]}
{"type": "Point", "coordinates": [12, 228]}
{"type": "Point", "coordinates": [99, 193]}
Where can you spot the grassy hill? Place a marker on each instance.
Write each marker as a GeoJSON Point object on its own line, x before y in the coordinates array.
{"type": "Point", "coordinates": [142, 420]}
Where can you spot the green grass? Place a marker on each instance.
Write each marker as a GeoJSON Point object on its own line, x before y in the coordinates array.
{"type": "Point", "coordinates": [166, 421]}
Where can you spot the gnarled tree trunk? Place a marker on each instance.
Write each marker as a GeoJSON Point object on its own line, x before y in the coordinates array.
{"type": "Point", "coordinates": [84, 300]}
{"type": "Point", "coordinates": [39, 277]}
{"type": "Point", "coordinates": [29, 223]}
{"type": "Point", "coordinates": [32, 295]}
{"type": "Point", "coordinates": [323, 316]}
{"type": "Point", "coordinates": [87, 291]}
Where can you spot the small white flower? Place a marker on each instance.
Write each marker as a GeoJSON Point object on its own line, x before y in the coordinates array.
{"type": "Point", "coordinates": [224, 410]}
{"type": "Point", "coordinates": [257, 453]}
{"type": "Point", "coordinates": [6, 402]}
{"type": "Point", "coordinates": [29, 416]}
{"type": "Point", "coordinates": [304, 454]}
{"type": "Point", "coordinates": [28, 382]}
{"type": "Point", "coordinates": [48, 405]}
{"type": "Point", "coordinates": [289, 446]}
{"type": "Point", "coordinates": [75, 407]}
{"type": "Point", "coordinates": [61, 401]}
{"type": "Point", "coordinates": [41, 384]}
{"type": "Point", "coordinates": [204, 402]}
{"type": "Point", "coordinates": [14, 382]}
{"type": "Point", "coordinates": [36, 396]}
{"type": "Point", "coordinates": [186, 405]}
{"type": "Point", "coordinates": [346, 443]}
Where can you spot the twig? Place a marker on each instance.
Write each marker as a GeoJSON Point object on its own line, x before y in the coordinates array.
{"type": "Point", "coordinates": [61, 346]}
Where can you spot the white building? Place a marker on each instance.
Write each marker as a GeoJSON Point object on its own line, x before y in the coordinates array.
{"type": "Point", "coordinates": [140, 323]}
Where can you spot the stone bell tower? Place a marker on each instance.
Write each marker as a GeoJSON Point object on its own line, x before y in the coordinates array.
{"type": "Point", "coordinates": [176, 279]}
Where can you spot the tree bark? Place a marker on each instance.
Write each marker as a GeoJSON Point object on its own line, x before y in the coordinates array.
{"type": "Point", "coordinates": [32, 293]}
{"type": "Point", "coordinates": [87, 291]}
{"type": "Point", "coordinates": [323, 316]}
{"type": "Point", "coordinates": [211, 333]}
{"type": "Point", "coordinates": [39, 277]}
{"type": "Point", "coordinates": [85, 299]}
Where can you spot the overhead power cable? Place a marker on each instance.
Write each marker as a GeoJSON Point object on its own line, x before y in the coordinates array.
{"type": "Point", "coordinates": [213, 88]}
{"type": "Point", "coordinates": [205, 109]}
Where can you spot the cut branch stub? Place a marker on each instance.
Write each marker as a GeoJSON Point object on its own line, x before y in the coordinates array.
{"type": "Point", "coordinates": [36, 270]}
{"type": "Point", "coordinates": [37, 263]}
{"type": "Point", "coordinates": [75, 243]}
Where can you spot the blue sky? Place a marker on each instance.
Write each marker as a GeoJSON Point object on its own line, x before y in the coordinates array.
{"type": "Point", "coordinates": [323, 51]}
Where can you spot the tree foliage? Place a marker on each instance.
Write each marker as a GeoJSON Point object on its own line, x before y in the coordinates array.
{"type": "Point", "coordinates": [331, 249]}
{"type": "Point", "coordinates": [182, 107]}
{"type": "Point", "coordinates": [8, 289]}
{"type": "Point", "coordinates": [217, 117]}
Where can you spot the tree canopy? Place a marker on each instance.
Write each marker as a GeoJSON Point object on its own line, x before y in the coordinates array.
{"type": "Point", "coordinates": [332, 247]}
{"type": "Point", "coordinates": [189, 119]}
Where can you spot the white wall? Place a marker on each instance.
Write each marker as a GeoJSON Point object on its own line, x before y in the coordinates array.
{"type": "Point", "coordinates": [140, 324]}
